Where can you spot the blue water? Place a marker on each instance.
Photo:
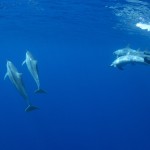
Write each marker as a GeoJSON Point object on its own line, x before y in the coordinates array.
{"type": "Point", "coordinates": [89, 105]}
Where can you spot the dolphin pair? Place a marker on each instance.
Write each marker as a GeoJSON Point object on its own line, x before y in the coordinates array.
{"type": "Point", "coordinates": [130, 56]}
{"type": "Point", "coordinates": [33, 69]}
{"type": "Point", "coordinates": [16, 79]}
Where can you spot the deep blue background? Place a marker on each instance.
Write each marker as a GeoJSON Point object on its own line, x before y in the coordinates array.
{"type": "Point", "coordinates": [88, 104]}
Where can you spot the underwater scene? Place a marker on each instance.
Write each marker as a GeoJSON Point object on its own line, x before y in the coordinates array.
{"type": "Point", "coordinates": [75, 74]}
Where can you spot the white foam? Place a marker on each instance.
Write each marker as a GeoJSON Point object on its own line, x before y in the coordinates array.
{"type": "Point", "coordinates": [143, 26]}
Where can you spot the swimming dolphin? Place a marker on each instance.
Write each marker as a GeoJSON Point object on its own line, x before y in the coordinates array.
{"type": "Point", "coordinates": [15, 78]}
{"type": "Point", "coordinates": [121, 61]}
{"type": "Point", "coordinates": [127, 51]}
{"type": "Point", "coordinates": [33, 69]}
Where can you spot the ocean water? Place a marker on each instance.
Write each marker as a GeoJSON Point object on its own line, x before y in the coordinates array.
{"type": "Point", "coordinates": [88, 105]}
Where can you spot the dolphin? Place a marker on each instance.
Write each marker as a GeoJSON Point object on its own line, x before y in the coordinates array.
{"type": "Point", "coordinates": [121, 61]}
{"type": "Point", "coordinates": [16, 79]}
{"type": "Point", "coordinates": [127, 51]}
{"type": "Point", "coordinates": [33, 69]}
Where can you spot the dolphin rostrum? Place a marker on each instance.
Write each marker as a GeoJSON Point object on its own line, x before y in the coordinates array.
{"type": "Point", "coordinates": [33, 69]}
{"type": "Point", "coordinates": [16, 79]}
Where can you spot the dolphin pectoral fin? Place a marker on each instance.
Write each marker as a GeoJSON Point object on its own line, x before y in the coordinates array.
{"type": "Point", "coordinates": [39, 91]}
{"type": "Point", "coordinates": [5, 75]}
{"type": "Point", "coordinates": [111, 65]}
{"type": "Point", "coordinates": [23, 62]}
{"type": "Point", "coordinates": [30, 108]}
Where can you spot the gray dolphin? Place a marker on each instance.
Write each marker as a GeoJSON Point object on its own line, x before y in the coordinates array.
{"type": "Point", "coordinates": [16, 79]}
{"type": "Point", "coordinates": [129, 51]}
{"type": "Point", "coordinates": [121, 61]}
{"type": "Point", "coordinates": [125, 51]}
{"type": "Point", "coordinates": [33, 69]}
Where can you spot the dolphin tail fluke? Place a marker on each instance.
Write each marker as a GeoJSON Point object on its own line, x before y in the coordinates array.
{"type": "Point", "coordinates": [40, 91]}
{"type": "Point", "coordinates": [30, 108]}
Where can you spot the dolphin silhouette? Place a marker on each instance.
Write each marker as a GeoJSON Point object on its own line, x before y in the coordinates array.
{"type": "Point", "coordinates": [16, 79]}
{"type": "Point", "coordinates": [33, 69]}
